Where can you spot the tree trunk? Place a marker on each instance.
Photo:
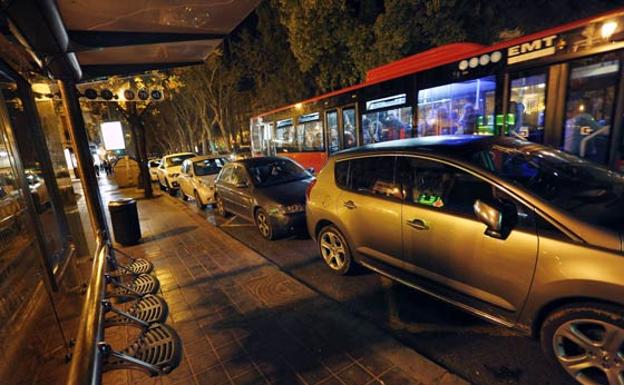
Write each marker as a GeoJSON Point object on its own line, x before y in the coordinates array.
{"type": "Point", "coordinates": [138, 136]}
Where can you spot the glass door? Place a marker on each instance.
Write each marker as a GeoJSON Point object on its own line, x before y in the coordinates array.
{"type": "Point", "coordinates": [527, 105]}
{"type": "Point", "coordinates": [349, 133]}
{"type": "Point", "coordinates": [331, 124]}
{"type": "Point", "coordinates": [590, 104]}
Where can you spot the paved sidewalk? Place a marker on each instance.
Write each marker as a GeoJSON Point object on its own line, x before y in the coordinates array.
{"type": "Point", "coordinates": [244, 321]}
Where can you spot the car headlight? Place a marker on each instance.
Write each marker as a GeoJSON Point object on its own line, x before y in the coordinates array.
{"type": "Point", "coordinates": [292, 209]}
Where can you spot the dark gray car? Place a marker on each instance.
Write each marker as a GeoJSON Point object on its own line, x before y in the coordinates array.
{"type": "Point", "coordinates": [270, 191]}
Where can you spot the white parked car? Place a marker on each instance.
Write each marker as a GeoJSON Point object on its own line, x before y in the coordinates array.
{"type": "Point", "coordinates": [152, 165]}
{"type": "Point", "coordinates": [197, 178]}
{"type": "Point", "coordinates": [169, 170]}
{"type": "Point", "coordinates": [38, 191]}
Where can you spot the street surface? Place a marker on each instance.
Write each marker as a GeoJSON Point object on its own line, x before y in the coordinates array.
{"type": "Point", "coordinates": [482, 353]}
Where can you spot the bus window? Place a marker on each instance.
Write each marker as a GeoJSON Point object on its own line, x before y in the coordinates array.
{"type": "Point", "coordinates": [310, 132]}
{"type": "Point", "coordinates": [348, 126]}
{"type": "Point", "coordinates": [387, 125]}
{"type": "Point", "coordinates": [589, 108]}
{"type": "Point", "coordinates": [284, 137]}
{"type": "Point", "coordinates": [457, 108]}
{"type": "Point", "coordinates": [527, 104]}
{"type": "Point", "coordinates": [331, 118]}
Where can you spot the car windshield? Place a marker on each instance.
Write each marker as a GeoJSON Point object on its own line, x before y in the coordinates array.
{"type": "Point", "coordinates": [208, 166]}
{"type": "Point", "coordinates": [177, 160]}
{"type": "Point", "coordinates": [584, 189]}
{"type": "Point", "coordinates": [271, 171]}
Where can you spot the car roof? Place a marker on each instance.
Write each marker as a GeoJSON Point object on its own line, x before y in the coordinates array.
{"type": "Point", "coordinates": [447, 145]}
{"type": "Point", "coordinates": [204, 157]}
{"type": "Point", "coordinates": [250, 162]}
{"type": "Point", "coordinates": [178, 154]}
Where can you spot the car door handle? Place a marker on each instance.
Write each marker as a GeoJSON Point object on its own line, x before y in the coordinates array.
{"type": "Point", "coordinates": [418, 224]}
{"type": "Point", "coordinates": [350, 205]}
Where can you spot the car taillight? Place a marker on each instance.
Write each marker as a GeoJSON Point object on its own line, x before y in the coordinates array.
{"type": "Point", "coordinates": [309, 189]}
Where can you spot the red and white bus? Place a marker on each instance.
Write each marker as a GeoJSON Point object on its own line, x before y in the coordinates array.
{"type": "Point", "coordinates": [562, 87]}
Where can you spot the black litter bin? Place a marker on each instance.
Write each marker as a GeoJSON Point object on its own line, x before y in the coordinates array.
{"type": "Point", "coordinates": [125, 219]}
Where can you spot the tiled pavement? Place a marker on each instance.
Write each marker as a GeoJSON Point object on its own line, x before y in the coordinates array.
{"type": "Point", "coordinates": [244, 321]}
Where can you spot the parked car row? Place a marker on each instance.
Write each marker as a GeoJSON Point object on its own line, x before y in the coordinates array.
{"type": "Point", "coordinates": [517, 233]}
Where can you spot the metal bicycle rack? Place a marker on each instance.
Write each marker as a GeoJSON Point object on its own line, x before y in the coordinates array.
{"type": "Point", "coordinates": [135, 266]}
{"type": "Point", "coordinates": [157, 351]}
{"type": "Point", "coordinates": [143, 311]}
{"type": "Point", "coordinates": [131, 286]}
{"type": "Point", "coordinates": [123, 296]}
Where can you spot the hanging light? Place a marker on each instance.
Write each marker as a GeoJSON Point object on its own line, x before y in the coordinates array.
{"type": "Point", "coordinates": [608, 29]}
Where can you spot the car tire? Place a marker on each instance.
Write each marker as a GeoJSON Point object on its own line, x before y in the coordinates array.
{"type": "Point", "coordinates": [334, 250]}
{"type": "Point", "coordinates": [589, 337]}
{"type": "Point", "coordinates": [184, 196]}
{"type": "Point", "coordinates": [220, 207]}
{"type": "Point", "coordinates": [161, 186]}
{"type": "Point", "coordinates": [264, 226]}
{"type": "Point", "coordinates": [198, 201]}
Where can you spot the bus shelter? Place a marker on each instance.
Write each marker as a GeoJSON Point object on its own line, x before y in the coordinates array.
{"type": "Point", "coordinates": [55, 45]}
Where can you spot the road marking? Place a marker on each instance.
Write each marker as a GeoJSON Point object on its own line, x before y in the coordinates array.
{"type": "Point", "coordinates": [229, 223]}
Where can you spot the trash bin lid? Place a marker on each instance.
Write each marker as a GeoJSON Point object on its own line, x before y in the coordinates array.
{"type": "Point", "coordinates": [121, 202]}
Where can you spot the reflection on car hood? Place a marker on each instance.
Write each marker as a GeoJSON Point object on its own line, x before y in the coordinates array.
{"type": "Point", "coordinates": [173, 169]}
{"type": "Point", "coordinates": [285, 193]}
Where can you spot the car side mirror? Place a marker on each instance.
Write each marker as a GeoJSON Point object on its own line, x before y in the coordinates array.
{"type": "Point", "coordinates": [311, 170]}
{"type": "Point", "coordinates": [498, 217]}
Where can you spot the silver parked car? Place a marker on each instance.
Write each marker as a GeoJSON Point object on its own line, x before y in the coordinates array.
{"type": "Point", "coordinates": [520, 234]}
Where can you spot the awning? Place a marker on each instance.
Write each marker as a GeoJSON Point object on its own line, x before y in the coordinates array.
{"type": "Point", "coordinates": [123, 37]}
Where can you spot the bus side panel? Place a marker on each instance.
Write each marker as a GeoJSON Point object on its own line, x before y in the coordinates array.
{"type": "Point", "coordinates": [307, 159]}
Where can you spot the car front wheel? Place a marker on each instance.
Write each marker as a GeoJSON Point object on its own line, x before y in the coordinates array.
{"type": "Point", "coordinates": [334, 249]}
{"type": "Point", "coordinates": [587, 342]}
{"type": "Point", "coordinates": [198, 201]}
{"type": "Point", "coordinates": [263, 223]}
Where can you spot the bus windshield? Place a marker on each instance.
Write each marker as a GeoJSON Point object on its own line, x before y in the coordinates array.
{"type": "Point", "coordinates": [273, 171]}
{"type": "Point", "coordinates": [585, 189]}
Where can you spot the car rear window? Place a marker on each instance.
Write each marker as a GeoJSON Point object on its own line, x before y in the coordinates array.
{"type": "Point", "coordinates": [372, 175]}
{"type": "Point", "coordinates": [341, 173]}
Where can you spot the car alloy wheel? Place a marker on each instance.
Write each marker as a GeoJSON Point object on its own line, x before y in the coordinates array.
{"type": "Point", "coordinates": [198, 201]}
{"type": "Point", "coordinates": [583, 346]}
{"type": "Point", "coordinates": [334, 250]}
{"type": "Point", "coordinates": [263, 224]}
{"type": "Point", "coordinates": [586, 340]}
